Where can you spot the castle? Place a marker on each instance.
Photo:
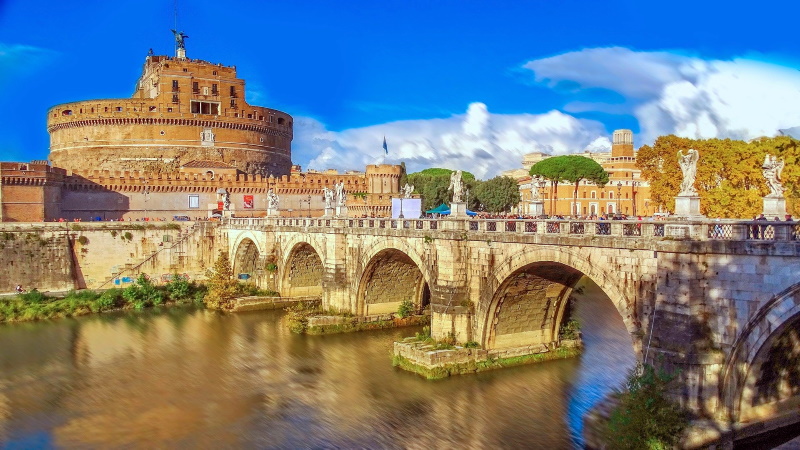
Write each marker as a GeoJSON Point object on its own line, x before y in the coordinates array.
{"type": "Point", "coordinates": [185, 144]}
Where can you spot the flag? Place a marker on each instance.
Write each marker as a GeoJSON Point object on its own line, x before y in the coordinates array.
{"type": "Point", "coordinates": [385, 148]}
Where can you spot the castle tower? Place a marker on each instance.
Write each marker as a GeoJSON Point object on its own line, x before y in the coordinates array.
{"type": "Point", "coordinates": [183, 110]}
{"type": "Point", "coordinates": [622, 144]}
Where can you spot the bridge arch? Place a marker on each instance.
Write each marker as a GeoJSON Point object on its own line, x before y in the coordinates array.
{"type": "Point", "coordinates": [247, 258]}
{"type": "Point", "coordinates": [302, 271]}
{"type": "Point", "coordinates": [392, 271]}
{"type": "Point", "coordinates": [762, 372]}
{"type": "Point", "coordinates": [527, 294]}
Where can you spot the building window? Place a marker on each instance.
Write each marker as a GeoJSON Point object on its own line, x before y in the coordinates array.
{"type": "Point", "coordinates": [195, 87]}
{"type": "Point", "coordinates": [66, 112]}
{"type": "Point", "coordinates": [214, 72]}
{"type": "Point", "coordinates": [174, 85]}
{"type": "Point", "coordinates": [610, 195]}
{"type": "Point", "coordinates": [205, 90]}
{"type": "Point", "coordinates": [152, 108]}
{"type": "Point", "coordinates": [162, 132]}
{"type": "Point", "coordinates": [233, 91]}
{"type": "Point", "coordinates": [214, 90]}
{"type": "Point", "coordinates": [594, 194]}
{"type": "Point", "coordinates": [205, 107]}
{"type": "Point", "coordinates": [169, 109]}
{"type": "Point", "coordinates": [194, 201]}
{"type": "Point", "coordinates": [105, 109]}
{"type": "Point", "coordinates": [185, 69]}
{"type": "Point", "coordinates": [119, 108]}
{"type": "Point", "coordinates": [249, 116]}
{"type": "Point", "coordinates": [280, 120]}
{"type": "Point", "coordinates": [174, 98]}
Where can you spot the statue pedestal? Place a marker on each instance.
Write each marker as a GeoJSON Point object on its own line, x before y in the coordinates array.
{"type": "Point", "coordinates": [273, 212]}
{"type": "Point", "coordinates": [688, 207]}
{"type": "Point", "coordinates": [536, 209]}
{"type": "Point", "coordinates": [774, 207]}
{"type": "Point", "coordinates": [458, 210]}
{"type": "Point", "coordinates": [328, 212]}
{"type": "Point", "coordinates": [341, 211]}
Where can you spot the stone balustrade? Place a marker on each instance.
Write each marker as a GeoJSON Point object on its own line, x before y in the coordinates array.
{"type": "Point", "coordinates": [728, 230]}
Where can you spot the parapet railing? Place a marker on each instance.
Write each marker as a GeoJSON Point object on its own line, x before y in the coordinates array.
{"type": "Point", "coordinates": [728, 230]}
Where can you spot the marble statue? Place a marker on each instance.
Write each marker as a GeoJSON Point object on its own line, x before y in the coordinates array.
{"type": "Point", "coordinates": [772, 169]}
{"type": "Point", "coordinates": [272, 200]}
{"type": "Point", "coordinates": [535, 186]}
{"type": "Point", "coordinates": [457, 185]}
{"type": "Point", "coordinates": [407, 190]}
{"type": "Point", "coordinates": [341, 198]}
{"type": "Point", "coordinates": [688, 164]}
{"type": "Point", "coordinates": [328, 195]}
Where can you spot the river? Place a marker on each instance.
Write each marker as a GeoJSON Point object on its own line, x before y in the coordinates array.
{"type": "Point", "coordinates": [195, 378]}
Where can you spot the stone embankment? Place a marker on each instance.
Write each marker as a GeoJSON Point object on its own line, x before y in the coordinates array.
{"type": "Point", "coordinates": [430, 361]}
{"type": "Point", "coordinates": [259, 303]}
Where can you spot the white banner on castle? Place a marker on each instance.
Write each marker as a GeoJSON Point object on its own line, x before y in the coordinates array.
{"type": "Point", "coordinates": [411, 207]}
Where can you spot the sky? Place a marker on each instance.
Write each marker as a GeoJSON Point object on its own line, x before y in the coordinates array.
{"type": "Point", "coordinates": [457, 84]}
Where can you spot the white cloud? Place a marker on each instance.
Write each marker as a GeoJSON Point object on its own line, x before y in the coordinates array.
{"type": "Point", "coordinates": [477, 141]}
{"type": "Point", "coordinates": [675, 94]}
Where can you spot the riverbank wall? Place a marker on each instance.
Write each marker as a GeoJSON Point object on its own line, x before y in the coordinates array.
{"type": "Point", "coordinates": [102, 255]}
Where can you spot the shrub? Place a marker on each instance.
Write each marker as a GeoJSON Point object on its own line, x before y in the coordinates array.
{"type": "Point", "coordinates": [406, 309]}
{"type": "Point", "coordinates": [178, 287]}
{"type": "Point", "coordinates": [222, 287]}
{"type": "Point", "coordinates": [83, 240]}
{"type": "Point", "coordinates": [127, 236]}
{"type": "Point", "coordinates": [107, 300]}
{"type": "Point", "coordinates": [645, 417]}
{"type": "Point", "coordinates": [472, 344]}
{"type": "Point", "coordinates": [33, 297]}
{"type": "Point", "coordinates": [570, 330]}
{"type": "Point", "coordinates": [142, 293]}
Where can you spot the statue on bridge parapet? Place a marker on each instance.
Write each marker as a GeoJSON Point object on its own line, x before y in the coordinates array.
{"type": "Point", "coordinates": [774, 202]}
{"type": "Point", "coordinates": [327, 194]}
{"type": "Point", "coordinates": [408, 189]}
{"type": "Point", "coordinates": [340, 200]}
{"type": "Point", "coordinates": [772, 169]}
{"type": "Point", "coordinates": [687, 203]}
{"type": "Point", "coordinates": [457, 185]}
{"type": "Point", "coordinates": [688, 163]}
{"type": "Point", "coordinates": [272, 203]}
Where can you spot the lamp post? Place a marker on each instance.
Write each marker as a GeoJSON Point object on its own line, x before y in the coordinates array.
{"type": "Point", "coordinates": [309, 206]}
{"type": "Point", "coordinates": [633, 195]}
{"type": "Point", "coordinates": [146, 193]}
{"type": "Point", "coordinates": [619, 193]}
{"type": "Point", "coordinates": [401, 216]}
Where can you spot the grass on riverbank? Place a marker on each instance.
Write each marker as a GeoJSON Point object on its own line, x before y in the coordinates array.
{"type": "Point", "coordinates": [36, 306]}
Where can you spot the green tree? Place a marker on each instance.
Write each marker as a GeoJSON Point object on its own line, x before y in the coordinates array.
{"type": "Point", "coordinates": [554, 169]}
{"type": "Point", "coordinates": [498, 194]}
{"type": "Point", "coordinates": [645, 418]}
{"type": "Point", "coordinates": [222, 286]}
{"type": "Point", "coordinates": [434, 186]}
{"type": "Point", "coordinates": [403, 175]}
{"type": "Point", "coordinates": [581, 168]}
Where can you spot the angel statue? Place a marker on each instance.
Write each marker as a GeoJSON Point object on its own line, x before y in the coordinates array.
{"type": "Point", "coordinates": [772, 169]}
{"type": "Point", "coordinates": [341, 198]}
{"type": "Point", "coordinates": [407, 190]}
{"type": "Point", "coordinates": [180, 36]}
{"type": "Point", "coordinates": [457, 186]}
{"type": "Point", "coordinates": [535, 186]}
{"type": "Point", "coordinates": [272, 200]}
{"type": "Point", "coordinates": [328, 195]}
{"type": "Point", "coordinates": [688, 163]}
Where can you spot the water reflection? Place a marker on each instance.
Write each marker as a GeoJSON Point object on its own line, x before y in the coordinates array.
{"type": "Point", "coordinates": [200, 379]}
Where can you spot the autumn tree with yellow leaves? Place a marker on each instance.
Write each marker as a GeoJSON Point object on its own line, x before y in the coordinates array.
{"type": "Point", "coordinates": [729, 178]}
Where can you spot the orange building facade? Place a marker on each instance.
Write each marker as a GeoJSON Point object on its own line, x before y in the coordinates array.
{"type": "Point", "coordinates": [626, 192]}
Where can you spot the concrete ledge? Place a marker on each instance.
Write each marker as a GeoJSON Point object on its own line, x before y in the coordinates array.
{"type": "Point", "coordinates": [257, 303]}
{"type": "Point", "coordinates": [432, 363]}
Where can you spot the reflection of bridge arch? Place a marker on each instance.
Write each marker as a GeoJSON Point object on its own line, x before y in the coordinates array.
{"type": "Point", "coordinates": [528, 294]}
{"type": "Point", "coordinates": [762, 372]}
{"type": "Point", "coordinates": [390, 276]}
{"type": "Point", "coordinates": [302, 271]}
{"type": "Point", "coordinates": [246, 257]}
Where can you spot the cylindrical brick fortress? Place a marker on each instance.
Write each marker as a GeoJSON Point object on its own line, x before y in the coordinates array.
{"type": "Point", "coordinates": [183, 110]}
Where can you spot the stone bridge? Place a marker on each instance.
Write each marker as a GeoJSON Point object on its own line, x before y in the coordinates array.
{"type": "Point", "coordinates": [717, 300]}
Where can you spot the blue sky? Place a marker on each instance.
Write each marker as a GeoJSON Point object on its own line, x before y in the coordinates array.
{"type": "Point", "coordinates": [460, 84]}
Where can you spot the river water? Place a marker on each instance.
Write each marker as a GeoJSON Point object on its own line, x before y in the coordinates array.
{"type": "Point", "coordinates": [194, 378]}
